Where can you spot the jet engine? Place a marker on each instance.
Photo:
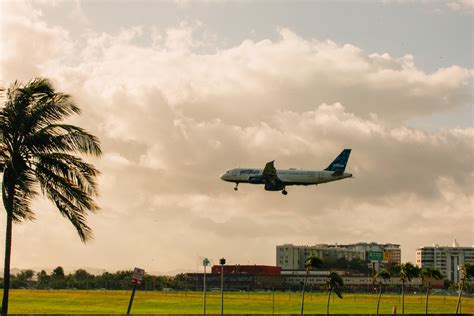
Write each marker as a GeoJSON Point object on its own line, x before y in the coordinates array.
{"type": "Point", "coordinates": [274, 186]}
{"type": "Point", "coordinates": [256, 180]}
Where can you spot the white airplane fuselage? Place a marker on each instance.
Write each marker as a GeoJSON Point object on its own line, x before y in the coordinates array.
{"type": "Point", "coordinates": [288, 176]}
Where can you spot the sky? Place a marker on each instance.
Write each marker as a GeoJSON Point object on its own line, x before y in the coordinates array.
{"type": "Point", "coordinates": [180, 91]}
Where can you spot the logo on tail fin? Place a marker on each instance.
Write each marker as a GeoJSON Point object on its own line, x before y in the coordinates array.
{"type": "Point", "coordinates": [339, 164]}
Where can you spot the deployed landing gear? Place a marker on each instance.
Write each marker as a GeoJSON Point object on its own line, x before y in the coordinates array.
{"type": "Point", "coordinates": [284, 192]}
{"type": "Point", "coordinates": [236, 186]}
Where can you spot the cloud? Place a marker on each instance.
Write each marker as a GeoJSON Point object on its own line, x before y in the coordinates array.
{"type": "Point", "coordinates": [172, 117]}
{"type": "Point", "coordinates": [27, 42]}
{"type": "Point", "coordinates": [464, 6]}
{"type": "Point", "coordinates": [310, 73]}
{"type": "Point", "coordinates": [461, 5]}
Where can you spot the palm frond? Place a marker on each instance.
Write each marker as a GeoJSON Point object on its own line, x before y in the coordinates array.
{"type": "Point", "coordinates": [64, 138]}
{"type": "Point", "coordinates": [69, 190]}
{"type": "Point", "coordinates": [69, 170]}
{"type": "Point", "coordinates": [75, 214]}
{"type": "Point", "coordinates": [335, 282]}
{"type": "Point", "coordinates": [383, 274]}
{"type": "Point", "coordinates": [51, 109]}
{"type": "Point", "coordinates": [25, 191]}
{"type": "Point", "coordinates": [79, 197]}
{"type": "Point", "coordinates": [338, 291]}
{"type": "Point", "coordinates": [313, 262]}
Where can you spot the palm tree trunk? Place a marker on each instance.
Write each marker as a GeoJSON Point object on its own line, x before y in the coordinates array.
{"type": "Point", "coordinates": [329, 299]}
{"type": "Point", "coordinates": [458, 305]}
{"type": "Point", "coordinates": [403, 297]}
{"type": "Point", "coordinates": [6, 271]}
{"type": "Point", "coordinates": [8, 248]}
{"type": "Point", "coordinates": [427, 293]}
{"type": "Point", "coordinates": [378, 299]}
{"type": "Point", "coordinates": [302, 294]}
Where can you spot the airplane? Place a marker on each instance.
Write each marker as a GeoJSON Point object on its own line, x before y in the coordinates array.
{"type": "Point", "coordinates": [278, 180]}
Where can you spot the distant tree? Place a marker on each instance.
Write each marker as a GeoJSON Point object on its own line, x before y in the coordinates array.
{"type": "Point", "coordinates": [334, 283]}
{"type": "Point", "coordinates": [407, 272]}
{"type": "Point", "coordinates": [106, 280]}
{"type": "Point", "coordinates": [162, 282]}
{"type": "Point", "coordinates": [392, 267]}
{"type": "Point", "coordinates": [466, 271]}
{"type": "Point", "coordinates": [43, 279]}
{"type": "Point", "coordinates": [447, 284]}
{"type": "Point", "coordinates": [311, 262]}
{"type": "Point", "coordinates": [122, 279]}
{"type": "Point", "coordinates": [26, 274]}
{"type": "Point", "coordinates": [381, 276]}
{"type": "Point", "coordinates": [355, 264]}
{"type": "Point", "coordinates": [82, 275]}
{"type": "Point", "coordinates": [359, 265]}
{"type": "Point", "coordinates": [342, 263]}
{"type": "Point", "coordinates": [180, 282]}
{"type": "Point", "coordinates": [82, 279]}
{"type": "Point", "coordinates": [22, 279]}
{"type": "Point", "coordinates": [58, 273]}
{"type": "Point", "coordinates": [37, 155]}
{"type": "Point", "coordinates": [427, 274]}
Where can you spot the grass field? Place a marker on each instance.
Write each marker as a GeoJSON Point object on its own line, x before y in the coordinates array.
{"type": "Point", "coordinates": [100, 302]}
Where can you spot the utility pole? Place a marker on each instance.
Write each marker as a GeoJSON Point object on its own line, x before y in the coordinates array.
{"type": "Point", "coordinates": [373, 277]}
{"type": "Point", "coordinates": [273, 301]}
{"type": "Point", "coordinates": [222, 262]}
{"type": "Point", "coordinates": [205, 263]}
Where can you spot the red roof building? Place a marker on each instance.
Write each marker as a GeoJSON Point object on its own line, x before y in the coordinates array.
{"type": "Point", "coordinates": [247, 270]}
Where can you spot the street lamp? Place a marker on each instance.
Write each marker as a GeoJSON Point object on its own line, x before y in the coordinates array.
{"type": "Point", "coordinates": [222, 263]}
{"type": "Point", "coordinates": [205, 263]}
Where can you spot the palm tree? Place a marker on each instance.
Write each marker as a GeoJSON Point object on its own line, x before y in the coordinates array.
{"type": "Point", "coordinates": [334, 283]}
{"type": "Point", "coordinates": [427, 274]}
{"type": "Point", "coordinates": [466, 271]}
{"type": "Point", "coordinates": [382, 275]}
{"type": "Point", "coordinates": [312, 262]}
{"type": "Point", "coordinates": [407, 272]}
{"type": "Point", "coordinates": [37, 155]}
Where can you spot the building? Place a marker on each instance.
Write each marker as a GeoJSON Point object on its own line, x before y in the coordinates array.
{"type": "Point", "coordinates": [246, 269]}
{"type": "Point", "coordinates": [445, 259]}
{"type": "Point", "coordinates": [239, 277]}
{"type": "Point", "coordinates": [291, 257]}
{"type": "Point", "coordinates": [260, 277]}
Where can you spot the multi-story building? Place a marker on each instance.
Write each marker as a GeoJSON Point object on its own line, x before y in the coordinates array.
{"type": "Point", "coordinates": [446, 259]}
{"type": "Point", "coordinates": [291, 257]}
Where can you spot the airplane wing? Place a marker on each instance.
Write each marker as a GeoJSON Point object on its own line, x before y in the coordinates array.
{"type": "Point", "coordinates": [270, 174]}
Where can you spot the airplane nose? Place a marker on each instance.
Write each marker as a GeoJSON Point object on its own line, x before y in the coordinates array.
{"type": "Point", "coordinates": [222, 176]}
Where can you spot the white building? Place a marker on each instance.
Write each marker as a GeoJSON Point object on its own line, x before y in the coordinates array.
{"type": "Point", "coordinates": [445, 259]}
{"type": "Point", "coordinates": [291, 257]}
{"type": "Point", "coordinates": [320, 279]}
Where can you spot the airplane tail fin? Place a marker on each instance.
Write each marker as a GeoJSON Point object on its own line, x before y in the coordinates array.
{"type": "Point", "coordinates": [339, 164]}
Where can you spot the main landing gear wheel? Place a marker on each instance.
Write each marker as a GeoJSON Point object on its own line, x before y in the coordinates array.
{"type": "Point", "coordinates": [284, 192]}
{"type": "Point", "coordinates": [236, 186]}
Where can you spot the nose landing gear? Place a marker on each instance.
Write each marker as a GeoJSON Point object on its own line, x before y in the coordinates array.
{"type": "Point", "coordinates": [284, 192]}
{"type": "Point", "coordinates": [236, 186]}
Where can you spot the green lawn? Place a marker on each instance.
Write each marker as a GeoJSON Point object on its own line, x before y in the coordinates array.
{"type": "Point", "coordinates": [101, 302]}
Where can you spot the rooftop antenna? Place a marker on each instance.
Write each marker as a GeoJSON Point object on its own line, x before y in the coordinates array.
{"type": "Point", "coordinates": [455, 243]}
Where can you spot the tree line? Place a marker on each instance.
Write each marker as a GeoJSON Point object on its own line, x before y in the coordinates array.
{"type": "Point", "coordinates": [83, 280]}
